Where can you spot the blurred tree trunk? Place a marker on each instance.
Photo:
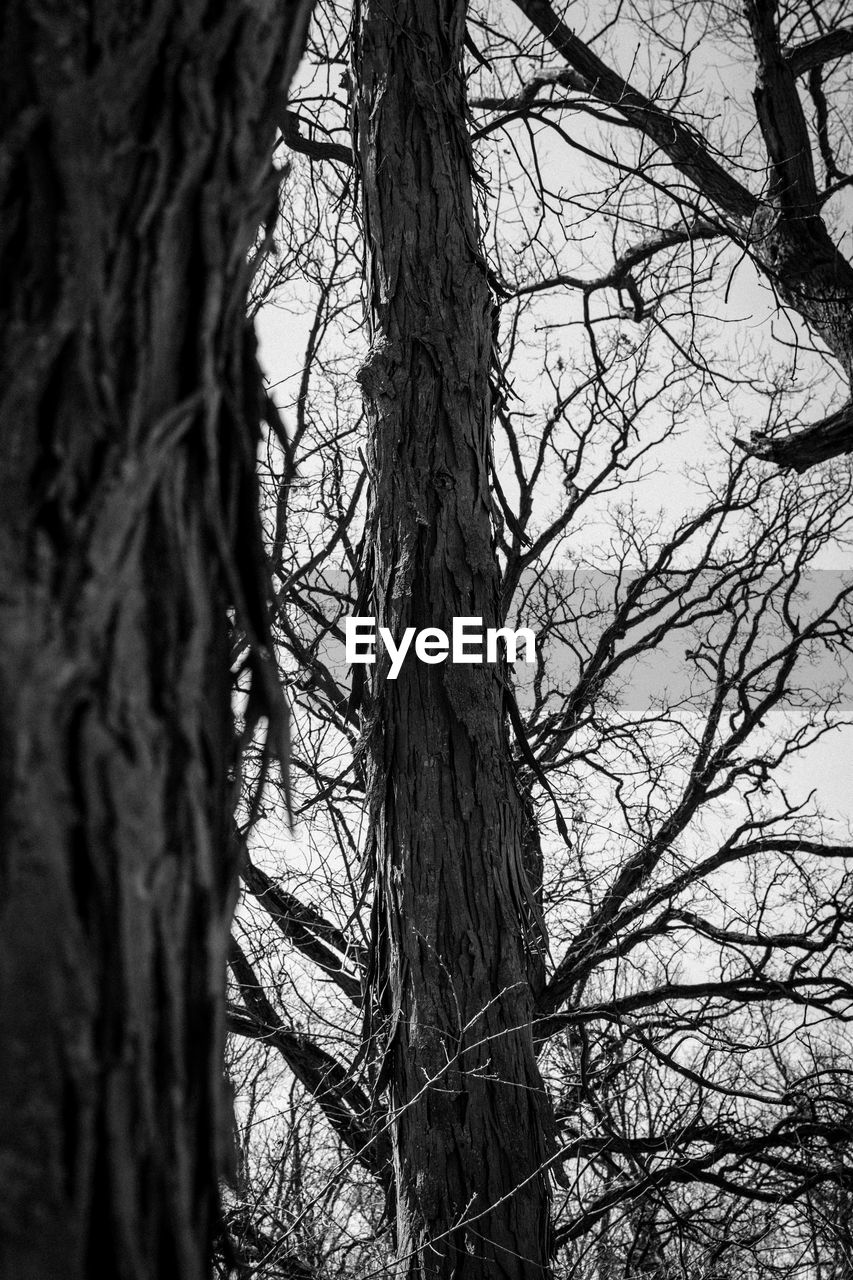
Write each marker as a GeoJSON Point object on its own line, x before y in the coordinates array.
{"type": "Point", "coordinates": [454, 909]}
{"type": "Point", "coordinates": [135, 168]}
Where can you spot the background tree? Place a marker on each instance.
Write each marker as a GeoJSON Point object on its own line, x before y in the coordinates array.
{"type": "Point", "coordinates": [450, 998]}
{"type": "Point", "coordinates": [696, 897]}
{"type": "Point", "coordinates": [135, 169]}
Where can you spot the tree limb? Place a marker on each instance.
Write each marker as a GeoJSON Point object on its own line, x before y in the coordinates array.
{"type": "Point", "coordinates": [291, 131]}
{"type": "Point", "coordinates": [305, 927]}
{"type": "Point", "coordinates": [686, 148]}
{"type": "Point", "coordinates": [817, 52]}
{"type": "Point", "coordinates": [825, 439]}
{"type": "Point", "coordinates": [780, 116]}
{"type": "Point", "coordinates": [344, 1104]}
{"type": "Point", "coordinates": [619, 275]}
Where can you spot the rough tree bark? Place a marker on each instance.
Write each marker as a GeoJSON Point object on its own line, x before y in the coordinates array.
{"type": "Point", "coordinates": [135, 168]}
{"type": "Point", "coordinates": [453, 906]}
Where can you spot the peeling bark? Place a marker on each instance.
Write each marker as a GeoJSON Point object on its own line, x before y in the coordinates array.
{"type": "Point", "coordinates": [135, 147]}
{"type": "Point", "coordinates": [453, 910]}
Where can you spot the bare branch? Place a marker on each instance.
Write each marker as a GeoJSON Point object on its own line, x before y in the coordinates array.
{"type": "Point", "coordinates": [306, 928]}
{"type": "Point", "coordinates": [816, 53]}
{"type": "Point", "coordinates": [619, 275]}
{"type": "Point", "coordinates": [684, 145]}
{"type": "Point", "coordinates": [780, 116]}
{"type": "Point", "coordinates": [345, 1105]}
{"type": "Point", "coordinates": [828, 438]}
{"type": "Point", "coordinates": [291, 123]}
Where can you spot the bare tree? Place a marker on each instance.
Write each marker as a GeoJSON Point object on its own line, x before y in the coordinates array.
{"type": "Point", "coordinates": [766, 200]}
{"type": "Point", "coordinates": [680, 915]}
{"type": "Point", "coordinates": [758, 178]}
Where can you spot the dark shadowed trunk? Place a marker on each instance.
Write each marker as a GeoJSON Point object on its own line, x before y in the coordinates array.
{"type": "Point", "coordinates": [135, 148]}
{"type": "Point", "coordinates": [447, 819]}
{"type": "Point", "coordinates": [791, 240]}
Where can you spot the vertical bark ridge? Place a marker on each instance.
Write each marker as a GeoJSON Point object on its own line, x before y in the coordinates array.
{"type": "Point", "coordinates": [447, 820]}
{"type": "Point", "coordinates": [135, 146]}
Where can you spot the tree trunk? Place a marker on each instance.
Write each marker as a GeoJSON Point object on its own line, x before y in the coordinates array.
{"type": "Point", "coordinates": [816, 280]}
{"type": "Point", "coordinates": [135, 149]}
{"type": "Point", "coordinates": [791, 241]}
{"type": "Point", "coordinates": [453, 906]}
